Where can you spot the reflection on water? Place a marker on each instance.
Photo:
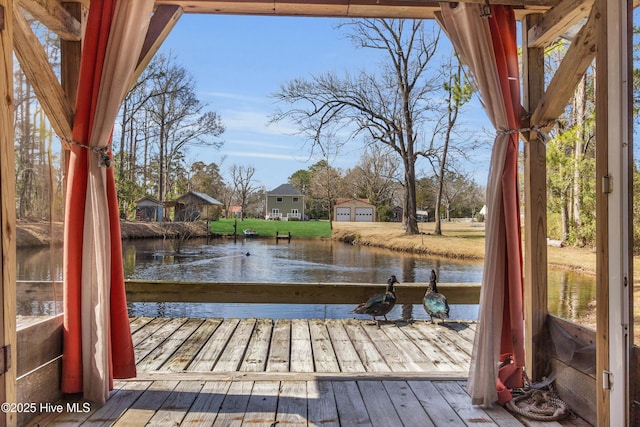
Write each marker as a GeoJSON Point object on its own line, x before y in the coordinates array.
{"type": "Point", "coordinates": [260, 260]}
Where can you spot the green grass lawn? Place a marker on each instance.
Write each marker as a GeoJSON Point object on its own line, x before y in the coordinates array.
{"type": "Point", "coordinates": [270, 228]}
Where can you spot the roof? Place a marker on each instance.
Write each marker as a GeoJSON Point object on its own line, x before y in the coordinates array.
{"type": "Point", "coordinates": [149, 199]}
{"type": "Point", "coordinates": [349, 199]}
{"type": "Point", "coordinates": [285, 190]}
{"type": "Point", "coordinates": [208, 200]}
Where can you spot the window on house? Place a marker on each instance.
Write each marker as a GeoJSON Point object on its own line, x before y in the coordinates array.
{"type": "Point", "coordinates": [279, 199]}
{"type": "Point", "coordinates": [295, 200]}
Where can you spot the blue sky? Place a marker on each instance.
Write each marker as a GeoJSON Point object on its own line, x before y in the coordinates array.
{"type": "Point", "coordinates": [238, 62]}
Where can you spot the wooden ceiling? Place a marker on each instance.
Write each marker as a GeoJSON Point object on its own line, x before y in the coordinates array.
{"type": "Point", "coordinates": [553, 18]}
{"type": "Point", "coordinates": [559, 15]}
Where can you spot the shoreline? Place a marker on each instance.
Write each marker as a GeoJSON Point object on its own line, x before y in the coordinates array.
{"type": "Point", "coordinates": [460, 240]}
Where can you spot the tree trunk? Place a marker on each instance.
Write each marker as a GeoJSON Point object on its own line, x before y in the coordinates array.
{"type": "Point", "coordinates": [580, 107]}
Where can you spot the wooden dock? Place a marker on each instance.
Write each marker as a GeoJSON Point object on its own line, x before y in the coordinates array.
{"type": "Point", "coordinates": [338, 372]}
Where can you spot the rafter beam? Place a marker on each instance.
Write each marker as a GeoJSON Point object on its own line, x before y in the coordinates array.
{"type": "Point", "coordinates": [573, 66]}
{"type": "Point", "coordinates": [35, 65]}
{"type": "Point", "coordinates": [558, 21]}
{"type": "Point", "coordinates": [162, 22]}
{"type": "Point", "coordinates": [55, 17]}
{"type": "Point", "coordinates": [424, 9]}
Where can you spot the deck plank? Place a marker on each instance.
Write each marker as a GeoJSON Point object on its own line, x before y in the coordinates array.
{"type": "Point", "coordinates": [437, 350]}
{"type": "Point", "coordinates": [153, 340]}
{"type": "Point", "coordinates": [280, 345]}
{"type": "Point", "coordinates": [149, 329]}
{"type": "Point", "coordinates": [234, 405]}
{"type": "Point", "coordinates": [117, 404]}
{"type": "Point", "coordinates": [379, 406]}
{"type": "Point", "coordinates": [231, 357]}
{"type": "Point", "coordinates": [351, 407]}
{"type": "Point", "coordinates": [255, 359]}
{"type": "Point", "coordinates": [397, 359]}
{"type": "Point", "coordinates": [301, 352]}
{"type": "Point", "coordinates": [459, 400]}
{"type": "Point", "coordinates": [404, 343]}
{"type": "Point", "coordinates": [176, 405]}
{"type": "Point", "coordinates": [367, 351]}
{"type": "Point", "coordinates": [464, 330]}
{"type": "Point", "coordinates": [164, 350]}
{"type": "Point", "coordinates": [138, 322]}
{"type": "Point", "coordinates": [407, 405]}
{"type": "Point", "coordinates": [434, 404]}
{"type": "Point", "coordinates": [205, 408]}
{"type": "Point", "coordinates": [183, 356]}
{"type": "Point", "coordinates": [448, 342]}
{"type": "Point", "coordinates": [346, 353]}
{"type": "Point", "coordinates": [292, 404]}
{"type": "Point", "coordinates": [324, 355]}
{"type": "Point", "coordinates": [263, 403]}
{"type": "Point", "coordinates": [213, 348]}
{"type": "Point", "coordinates": [146, 406]}
{"type": "Point", "coordinates": [321, 404]}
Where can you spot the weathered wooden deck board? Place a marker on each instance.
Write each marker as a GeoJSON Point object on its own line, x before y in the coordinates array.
{"type": "Point", "coordinates": [301, 352]}
{"type": "Point", "coordinates": [194, 372]}
{"type": "Point", "coordinates": [369, 354]}
{"type": "Point", "coordinates": [324, 355]}
{"type": "Point", "coordinates": [263, 404]}
{"type": "Point", "coordinates": [280, 346]}
{"type": "Point", "coordinates": [346, 353]}
{"type": "Point", "coordinates": [255, 359]}
{"type": "Point", "coordinates": [231, 357]}
{"type": "Point", "coordinates": [211, 351]}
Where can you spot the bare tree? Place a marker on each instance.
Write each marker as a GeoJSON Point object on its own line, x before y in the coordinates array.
{"type": "Point", "coordinates": [458, 92]}
{"type": "Point", "coordinates": [243, 184]}
{"type": "Point", "coordinates": [388, 106]}
{"type": "Point", "coordinates": [326, 186]}
{"type": "Point", "coordinates": [178, 116]}
{"type": "Point", "coordinates": [375, 177]}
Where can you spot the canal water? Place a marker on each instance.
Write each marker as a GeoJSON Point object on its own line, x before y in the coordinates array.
{"type": "Point", "coordinates": [313, 260]}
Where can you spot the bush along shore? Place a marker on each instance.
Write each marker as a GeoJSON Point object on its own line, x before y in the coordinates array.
{"type": "Point", "coordinates": [33, 234]}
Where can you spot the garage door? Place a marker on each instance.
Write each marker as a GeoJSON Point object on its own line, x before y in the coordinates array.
{"type": "Point", "coordinates": [364, 214]}
{"type": "Point", "coordinates": [343, 214]}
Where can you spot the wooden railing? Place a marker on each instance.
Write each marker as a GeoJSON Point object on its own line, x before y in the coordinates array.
{"type": "Point", "coordinates": [251, 292]}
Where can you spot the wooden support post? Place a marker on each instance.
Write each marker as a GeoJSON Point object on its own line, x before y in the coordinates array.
{"type": "Point", "coordinates": [613, 210]}
{"type": "Point", "coordinates": [535, 207]}
{"type": "Point", "coordinates": [7, 215]}
{"type": "Point", "coordinates": [70, 53]}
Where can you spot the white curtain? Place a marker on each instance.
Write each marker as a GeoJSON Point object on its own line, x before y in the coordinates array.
{"type": "Point", "coordinates": [487, 46]}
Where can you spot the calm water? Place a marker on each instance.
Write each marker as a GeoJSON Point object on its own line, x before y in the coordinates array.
{"type": "Point", "coordinates": [260, 260]}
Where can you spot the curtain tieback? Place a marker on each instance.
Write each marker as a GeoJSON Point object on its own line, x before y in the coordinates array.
{"type": "Point", "coordinates": [102, 152]}
{"type": "Point", "coordinates": [543, 136]}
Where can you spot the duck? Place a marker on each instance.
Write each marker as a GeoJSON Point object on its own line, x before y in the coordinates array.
{"type": "Point", "coordinates": [379, 304]}
{"type": "Point", "coordinates": [435, 304]}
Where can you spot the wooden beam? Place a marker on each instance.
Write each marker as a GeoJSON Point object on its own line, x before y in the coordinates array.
{"type": "Point", "coordinates": [35, 65]}
{"type": "Point", "coordinates": [341, 8]}
{"type": "Point", "coordinates": [70, 54]}
{"type": "Point", "coordinates": [558, 21]}
{"type": "Point", "coordinates": [535, 217]}
{"type": "Point", "coordinates": [7, 213]}
{"type": "Point", "coordinates": [289, 293]}
{"type": "Point", "coordinates": [162, 22]}
{"type": "Point", "coordinates": [55, 17]}
{"type": "Point", "coordinates": [573, 66]}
